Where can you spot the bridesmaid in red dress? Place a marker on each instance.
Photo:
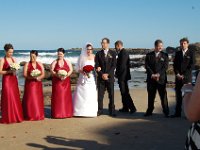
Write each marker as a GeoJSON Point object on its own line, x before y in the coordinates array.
{"type": "Point", "coordinates": [33, 100]}
{"type": "Point", "coordinates": [61, 103]}
{"type": "Point", "coordinates": [11, 108]}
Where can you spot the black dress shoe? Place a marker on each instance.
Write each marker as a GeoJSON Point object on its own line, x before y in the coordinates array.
{"type": "Point", "coordinates": [147, 114]}
{"type": "Point", "coordinates": [123, 110]}
{"type": "Point", "coordinates": [175, 116]}
{"type": "Point", "coordinates": [133, 111]}
{"type": "Point", "coordinates": [113, 115]}
{"type": "Point", "coordinates": [99, 113]}
{"type": "Point", "coordinates": [166, 116]}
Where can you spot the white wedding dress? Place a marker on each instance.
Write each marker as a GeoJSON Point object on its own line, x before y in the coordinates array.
{"type": "Point", "coordinates": [85, 96]}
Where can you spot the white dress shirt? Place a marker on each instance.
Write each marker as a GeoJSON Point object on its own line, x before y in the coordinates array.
{"type": "Point", "coordinates": [105, 52]}
{"type": "Point", "coordinates": [157, 53]}
{"type": "Point", "coordinates": [184, 51]}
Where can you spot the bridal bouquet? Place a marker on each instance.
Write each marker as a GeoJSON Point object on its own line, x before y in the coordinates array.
{"type": "Point", "coordinates": [14, 66]}
{"type": "Point", "coordinates": [35, 73]}
{"type": "Point", "coordinates": [62, 73]}
{"type": "Point", "coordinates": [87, 69]}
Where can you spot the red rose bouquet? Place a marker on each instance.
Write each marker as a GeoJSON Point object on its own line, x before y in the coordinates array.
{"type": "Point", "coordinates": [87, 69]}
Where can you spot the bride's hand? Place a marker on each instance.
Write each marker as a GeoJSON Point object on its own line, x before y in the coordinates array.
{"type": "Point", "coordinates": [82, 72]}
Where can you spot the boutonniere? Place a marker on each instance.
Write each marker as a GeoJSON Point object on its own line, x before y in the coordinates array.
{"type": "Point", "coordinates": [188, 57]}
{"type": "Point", "coordinates": [162, 59]}
{"type": "Point", "coordinates": [109, 56]}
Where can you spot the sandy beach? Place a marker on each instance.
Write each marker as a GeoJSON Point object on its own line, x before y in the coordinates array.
{"type": "Point", "coordinates": [125, 132]}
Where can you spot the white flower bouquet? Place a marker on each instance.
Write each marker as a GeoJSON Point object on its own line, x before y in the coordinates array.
{"type": "Point", "coordinates": [62, 73]}
{"type": "Point", "coordinates": [35, 73]}
{"type": "Point", "coordinates": [14, 66]}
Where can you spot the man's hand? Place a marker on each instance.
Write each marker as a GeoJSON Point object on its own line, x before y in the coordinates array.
{"type": "Point", "coordinates": [180, 77]}
{"type": "Point", "coordinates": [105, 76]}
{"type": "Point", "coordinates": [98, 69]}
{"type": "Point", "coordinates": [155, 76]}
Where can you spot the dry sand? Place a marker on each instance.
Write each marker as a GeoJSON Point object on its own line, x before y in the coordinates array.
{"type": "Point", "coordinates": [125, 132]}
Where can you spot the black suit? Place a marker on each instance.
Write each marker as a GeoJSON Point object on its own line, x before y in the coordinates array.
{"type": "Point", "coordinates": [156, 65]}
{"type": "Point", "coordinates": [108, 65]}
{"type": "Point", "coordinates": [123, 75]}
{"type": "Point", "coordinates": [182, 65]}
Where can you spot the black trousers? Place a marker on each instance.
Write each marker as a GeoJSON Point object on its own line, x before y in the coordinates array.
{"type": "Point", "coordinates": [127, 101]}
{"type": "Point", "coordinates": [102, 87]}
{"type": "Point", "coordinates": [152, 88]}
{"type": "Point", "coordinates": [179, 97]}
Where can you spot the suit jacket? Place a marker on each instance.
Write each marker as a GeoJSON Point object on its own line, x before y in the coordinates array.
{"type": "Point", "coordinates": [155, 65]}
{"type": "Point", "coordinates": [123, 66]}
{"type": "Point", "coordinates": [107, 64]}
{"type": "Point", "coordinates": [183, 64]}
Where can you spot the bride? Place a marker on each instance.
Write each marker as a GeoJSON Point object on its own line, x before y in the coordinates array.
{"type": "Point", "coordinates": [85, 96]}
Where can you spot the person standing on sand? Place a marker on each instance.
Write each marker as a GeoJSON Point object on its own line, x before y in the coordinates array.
{"type": "Point", "coordinates": [61, 99]}
{"type": "Point", "coordinates": [33, 99]}
{"type": "Point", "coordinates": [183, 64]}
{"type": "Point", "coordinates": [85, 95]}
{"type": "Point", "coordinates": [156, 64]}
{"type": "Point", "coordinates": [11, 108]}
{"type": "Point", "coordinates": [105, 64]}
{"type": "Point", "coordinates": [123, 75]}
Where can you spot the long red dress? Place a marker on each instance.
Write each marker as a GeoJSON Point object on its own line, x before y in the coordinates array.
{"type": "Point", "coordinates": [61, 103]}
{"type": "Point", "coordinates": [33, 100]}
{"type": "Point", "coordinates": [11, 108]}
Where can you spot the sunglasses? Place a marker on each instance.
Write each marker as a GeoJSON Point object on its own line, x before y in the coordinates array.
{"type": "Point", "coordinates": [89, 49]}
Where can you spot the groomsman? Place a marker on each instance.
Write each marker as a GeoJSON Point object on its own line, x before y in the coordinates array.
{"type": "Point", "coordinates": [123, 75]}
{"type": "Point", "coordinates": [183, 64]}
{"type": "Point", "coordinates": [156, 64]}
{"type": "Point", "coordinates": [105, 64]}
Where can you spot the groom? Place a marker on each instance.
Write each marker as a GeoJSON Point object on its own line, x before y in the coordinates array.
{"type": "Point", "coordinates": [105, 64]}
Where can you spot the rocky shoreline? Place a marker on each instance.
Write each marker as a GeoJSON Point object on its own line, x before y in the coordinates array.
{"type": "Point", "coordinates": [134, 63]}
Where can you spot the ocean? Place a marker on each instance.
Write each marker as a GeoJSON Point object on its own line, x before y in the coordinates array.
{"type": "Point", "coordinates": [48, 56]}
{"type": "Point", "coordinates": [45, 56]}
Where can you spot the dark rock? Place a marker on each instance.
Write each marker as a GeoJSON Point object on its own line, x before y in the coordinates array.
{"type": "Point", "coordinates": [22, 63]}
{"type": "Point", "coordinates": [170, 70]}
{"type": "Point", "coordinates": [47, 67]}
{"type": "Point", "coordinates": [48, 76]}
{"type": "Point", "coordinates": [136, 64]}
{"type": "Point", "coordinates": [138, 51]}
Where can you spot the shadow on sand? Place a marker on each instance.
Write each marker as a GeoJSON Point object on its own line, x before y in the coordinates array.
{"type": "Point", "coordinates": [131, 132]}
{"type": "Point", "coordinates": [128, 132]}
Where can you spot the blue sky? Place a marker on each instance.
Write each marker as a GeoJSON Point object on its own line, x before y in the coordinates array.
{"type": "Point", "coordinates": [49, 24]}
